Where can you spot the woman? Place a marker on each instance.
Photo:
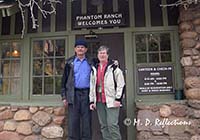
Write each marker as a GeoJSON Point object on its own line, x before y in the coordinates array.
{"type": "Point", "coordinates": [106, 86]}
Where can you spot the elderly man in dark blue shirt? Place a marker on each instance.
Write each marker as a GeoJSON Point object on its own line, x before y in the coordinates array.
{"type": "Point", "coordinates": [75, 93]}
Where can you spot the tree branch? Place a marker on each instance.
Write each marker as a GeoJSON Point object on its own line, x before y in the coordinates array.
{"type": "Point", "coordinates": [30, 5]}
{"type": "Point", "coordinates": [184, 3]}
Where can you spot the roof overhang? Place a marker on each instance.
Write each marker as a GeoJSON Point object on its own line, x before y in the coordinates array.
{"type": "Point", "coordinates": [8, 9]}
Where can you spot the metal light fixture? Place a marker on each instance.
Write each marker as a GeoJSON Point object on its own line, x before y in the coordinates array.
{"type": "Point", "coordinates": [91, 35]}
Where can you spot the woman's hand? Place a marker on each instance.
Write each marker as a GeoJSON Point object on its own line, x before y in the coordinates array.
{"type": "Point", "coordinates": [92, 107]}
{"type": "Point", "coordinates": [117, 103]}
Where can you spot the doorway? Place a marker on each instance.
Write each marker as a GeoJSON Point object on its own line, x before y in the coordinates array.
{"type": "Point", "coordinates": [116, 44]}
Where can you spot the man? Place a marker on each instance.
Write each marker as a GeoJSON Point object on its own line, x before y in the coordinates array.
{"type": "Point", "coordinates": [106, 87]}
{"type": "Point", "coordinates": [75, 93]}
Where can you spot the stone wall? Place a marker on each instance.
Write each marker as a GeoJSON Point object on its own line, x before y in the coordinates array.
{"type": "Point", "coordinates": [31, 123]}
{"type": "Point", "coordinates": [177, 121]}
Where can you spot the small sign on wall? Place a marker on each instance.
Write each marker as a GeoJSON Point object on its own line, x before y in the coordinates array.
{"type": "Point", "coordinates": [99, 20]}
{"type": "Point", "coordinates": [155, 80]}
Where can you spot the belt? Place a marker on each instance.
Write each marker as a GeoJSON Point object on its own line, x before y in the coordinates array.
{"type": "Point", "coordinates": [82, 89]}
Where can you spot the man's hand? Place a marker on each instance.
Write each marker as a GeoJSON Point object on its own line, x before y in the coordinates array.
{"type": "Point", "coordinates": [117, 103]}
{"type": "Point", "coordinates": [116, 62]}
{"type": "Point", "coordinates": [65, 102]}
{"type": "Point", "coordinates": [92, 106]}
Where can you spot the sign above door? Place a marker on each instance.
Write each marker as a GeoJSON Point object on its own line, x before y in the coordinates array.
{"type": "Point", "coordinates": [99, 20]}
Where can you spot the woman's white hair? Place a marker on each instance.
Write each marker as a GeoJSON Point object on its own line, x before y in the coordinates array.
{"type": "Point", "coordinates": [103, 47]}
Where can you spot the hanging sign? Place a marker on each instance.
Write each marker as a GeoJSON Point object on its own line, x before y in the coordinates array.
{"type": "Point", "coordinates": [157, 79]}
{"type": "Point", "coordinates": [99, 20]}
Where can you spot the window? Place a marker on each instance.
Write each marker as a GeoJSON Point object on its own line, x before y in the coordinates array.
{"type": "Point", "coordinates": [107, 6]}
{"type": "Point", "coordinates": [139, 13]}
{"type": "Point", "coordinates": [172, 13]}
{"type": "Point", "coordinates": [91, 8]}
{"type": "Point", "coordinates": [76, 10]}
{"type": "Point", "coordinates": [10, 68]}
{"type": "Point", "coordinates": [149, 13]}
{"type": "Point", "coordinates": [153, 48]}
{"type": "Point", "coordinates": [156, 13]}
{"type": "Point", "coordinates": [46, 22]}
{"type": "Point", "coordinates": [6, 21]}
{"type": "Point", "coordinates": [18, 23]}
{"type": "Point", "coordinates": [61, 16]}
{"type": "Point", "coordinates": [123, 7]}
{"type": "Point", "coordinates": [48, 63]}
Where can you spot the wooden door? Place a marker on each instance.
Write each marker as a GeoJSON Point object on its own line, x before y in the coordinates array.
{"type": "Point", "coordinates": [116, 44]}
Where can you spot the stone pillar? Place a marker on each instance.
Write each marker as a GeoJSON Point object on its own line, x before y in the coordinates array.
{"type": "Point", "coordinates": [189, 29]}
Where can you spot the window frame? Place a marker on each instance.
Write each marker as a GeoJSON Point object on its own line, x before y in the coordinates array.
{"type": "Point", "coordinates": [159, 51]}
{"type": "Point", "coordinates": [9, 96]}
{"type": "Point", "coordinates": [51, 97]}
